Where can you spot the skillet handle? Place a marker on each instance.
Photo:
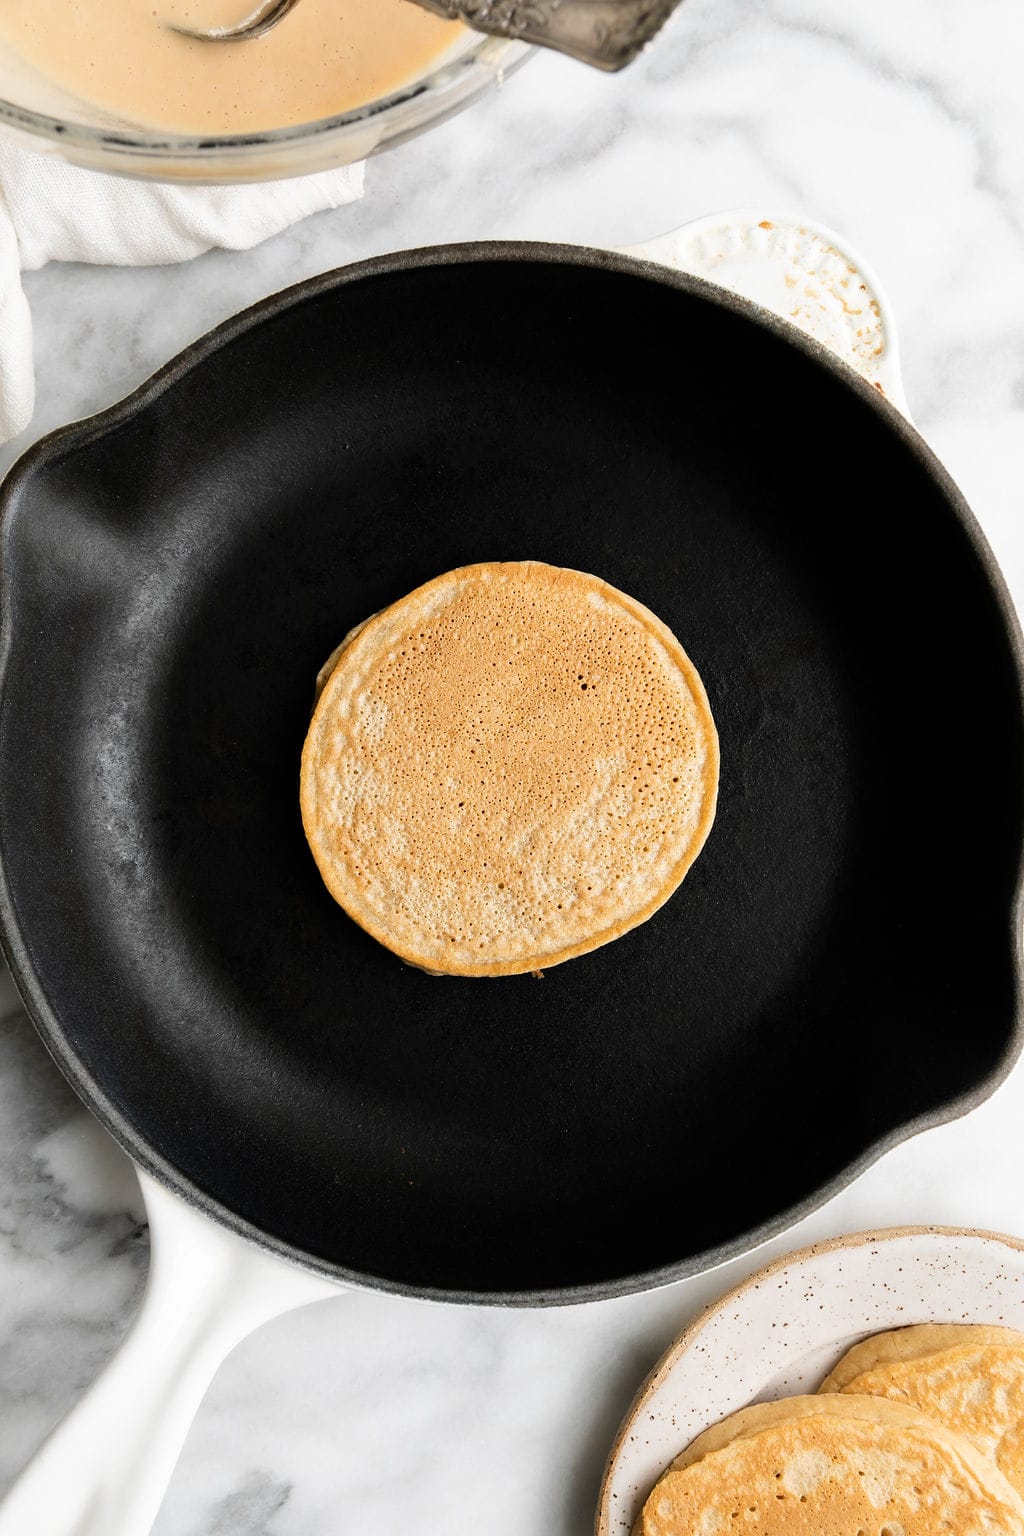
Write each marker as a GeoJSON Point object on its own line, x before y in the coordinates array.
{"type": "Point", "coordinates": [802, 272]}
{"type": "Point", "coordinates": [105, 1468]}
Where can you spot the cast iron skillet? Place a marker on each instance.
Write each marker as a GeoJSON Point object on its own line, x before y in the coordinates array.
{"type": "Point", "coordinates": [841, 966]}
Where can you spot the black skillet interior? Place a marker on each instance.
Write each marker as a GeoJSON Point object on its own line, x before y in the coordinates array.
{"type": "Point", "coordinates": [838, 964]}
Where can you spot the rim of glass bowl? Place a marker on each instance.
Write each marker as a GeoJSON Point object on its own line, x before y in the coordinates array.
{"type": "Point", "coordinates": [293, 151]}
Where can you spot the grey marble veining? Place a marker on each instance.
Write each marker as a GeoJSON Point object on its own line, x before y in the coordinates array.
{"type": "Point", "coordinates": [902, 126]}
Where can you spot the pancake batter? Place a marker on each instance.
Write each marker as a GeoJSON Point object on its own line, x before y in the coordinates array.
{"type": "Point", "coordinates": [325, 57]}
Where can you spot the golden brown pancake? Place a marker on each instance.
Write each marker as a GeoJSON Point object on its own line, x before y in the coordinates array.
{"type": "Point", "coordinates": [969, 1377]}
{"type": "Point", "coordinates": [509, 767]}
{"type": "Point", "coordinates": [832, 1466]}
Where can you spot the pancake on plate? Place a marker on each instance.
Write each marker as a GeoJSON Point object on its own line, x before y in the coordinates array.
{"type": "Point", "coordinates": [831, 1466]}
{"type": "Point", "coordinates": [509, 767]}
{"type": "Point", "coordinates": [969, 1377]}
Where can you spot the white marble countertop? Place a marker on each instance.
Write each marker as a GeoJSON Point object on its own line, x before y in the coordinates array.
{"type": "Point", "coordinates": [901, 126]}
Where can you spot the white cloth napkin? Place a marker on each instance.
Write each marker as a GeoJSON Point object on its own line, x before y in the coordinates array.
{"type": "Point", "coordinates": [52, 211]}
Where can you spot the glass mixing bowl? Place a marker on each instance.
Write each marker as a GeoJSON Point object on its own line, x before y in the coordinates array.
{"type": "Point", "coordinates": [42, 117]}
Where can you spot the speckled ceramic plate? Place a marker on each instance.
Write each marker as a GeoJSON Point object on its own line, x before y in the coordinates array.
{"type": "Point", "coordinates": [783, 1330]}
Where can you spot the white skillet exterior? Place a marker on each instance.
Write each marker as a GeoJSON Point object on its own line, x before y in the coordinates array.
{"type": "Point", "coordinates": [104, 1470]}
{"type": "Point", "coordinates": [800, 271]}
{"type": "Point", "coordinates": [784, 1329]}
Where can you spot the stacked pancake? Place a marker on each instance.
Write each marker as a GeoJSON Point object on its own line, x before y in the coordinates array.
{"type": "Point", "coordinates": [914, 1433]}
{"type": "Point", "coordinates": [968, 1377]}
{"type": "Point", "coordinates": [509, 767]}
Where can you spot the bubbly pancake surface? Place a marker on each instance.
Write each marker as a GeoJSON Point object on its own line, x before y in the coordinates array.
{"type": "Point", "coordinates": [509, 767]}
{"type": "Point", "coordinates": [831, 1466]}
{"type": "Point", "coordinates": [970, 1378]}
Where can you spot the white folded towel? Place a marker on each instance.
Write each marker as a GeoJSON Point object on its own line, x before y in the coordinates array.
{"type": "Point", "coordinates": [52, 211]}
